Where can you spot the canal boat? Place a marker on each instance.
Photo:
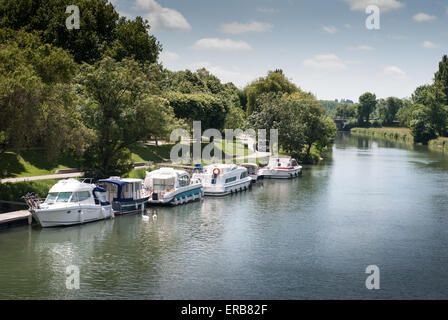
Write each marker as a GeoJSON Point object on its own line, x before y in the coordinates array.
{"type": "Point", "coordinates": [126, 195]}
{"type": "Point", "coordinates": [222, 179]}
{"type": "Point", "coordinates": [252, 170]}
{"type": "Point", "coordinates": [171, 186]}
{"type": "Point", "coordinates": [280, 168]}
{"type": "Point", "coordinates": [71, 202]}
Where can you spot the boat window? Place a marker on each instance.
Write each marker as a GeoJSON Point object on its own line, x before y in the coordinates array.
{"type": "Point", "coordinates": [230, 179]}
{"type": "Point", "coordinates": [64, 197]}
{"type": "Point", "coordinates": [83, 195]}
{"type": "Point", "coordinates": [51, 198]}
{"type": "Point", "coordinates": [184, 181]}
{"type": "Point", "coordinates": [243, 175]}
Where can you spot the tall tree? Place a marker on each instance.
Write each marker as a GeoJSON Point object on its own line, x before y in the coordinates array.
{"type": "Point", "coordinates": [388, 109]}
{"type": "Point", "coordinates": [119, 106]}
{"type": "Point", "coordinates": [36, 96]}
{"type": "Point", "coordinates": [274, 82]}
{"type": "Point", "coordinates": [101, 31]}
{"type": "Point", "coordinates": [441, 77]}
{"type": "Point", "coordinates": [366, 105]}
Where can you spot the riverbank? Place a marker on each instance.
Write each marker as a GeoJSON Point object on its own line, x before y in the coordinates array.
{"type": "Point", "coordinates": [395, 134]}
{"type": "Point", "coordinates": [402, 135]}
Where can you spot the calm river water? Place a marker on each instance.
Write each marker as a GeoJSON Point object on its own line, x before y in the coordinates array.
{"type": "Point", "coordinates": [373, 203]}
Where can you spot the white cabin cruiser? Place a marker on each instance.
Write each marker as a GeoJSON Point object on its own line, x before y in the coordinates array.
{"type": "Point", "coordinates": [71, 202]}
{"type": "Point", "coordinates": [252, 170]}
{"type": "Point", "coordinates": [281, 168]}
{"type": "Point", "coordinates": [222, 179]}
{"type": "Point", "coordinates": [170, 186]}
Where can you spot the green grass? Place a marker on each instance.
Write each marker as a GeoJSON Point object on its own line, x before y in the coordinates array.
{"type": "Point", "coordinates": [15, 191]}
{"type": "Point", "coordinates": [395, 134]}
{"type": "Point", "coordinates": [36, 163]}
{"type": "Point", "coordinates": [32, 163]}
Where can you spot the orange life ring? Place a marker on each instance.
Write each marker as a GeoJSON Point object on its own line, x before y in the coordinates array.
{"type": "Point", "coordinates": [217, 171]}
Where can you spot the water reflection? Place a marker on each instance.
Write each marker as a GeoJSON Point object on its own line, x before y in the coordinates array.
{"type": "Point", "coordinates": [372, 202]}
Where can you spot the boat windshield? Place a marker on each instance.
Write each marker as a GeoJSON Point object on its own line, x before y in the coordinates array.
{"type": "Point", "coordinates": [51, 198]}
{"type": "Point", "coordinates": [60, 197]}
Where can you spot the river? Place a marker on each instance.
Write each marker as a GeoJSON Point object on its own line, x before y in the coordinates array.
{"type": "Point", "coordinates": [372, 203]}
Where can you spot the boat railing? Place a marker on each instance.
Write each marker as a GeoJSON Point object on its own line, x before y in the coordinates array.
{"type": "Point", "coordinates": [86, 180]}
{"type": "Point", "coordinates": [32, 201]}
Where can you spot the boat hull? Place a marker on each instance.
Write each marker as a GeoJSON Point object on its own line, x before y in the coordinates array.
{"type": "Point", "coordinates": [241, 185]}
{"type": "Point", "coordinates": [177, 197]}
{"type": "Point", "coordinates": [122, 208]}
{"type": "Point", "coordinates": [280, 173]}
{"type": "Point", "coordinates": [71, 216]}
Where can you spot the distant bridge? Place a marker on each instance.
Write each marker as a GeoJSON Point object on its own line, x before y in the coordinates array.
{"type": "Point", "coordinates": [340, 121]}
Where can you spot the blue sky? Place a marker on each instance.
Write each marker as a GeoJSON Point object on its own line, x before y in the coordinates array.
{"type": "Point", "coordinates": [323, 46]}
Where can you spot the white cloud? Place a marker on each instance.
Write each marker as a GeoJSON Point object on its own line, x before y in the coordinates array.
{"type": "Point", "coordinates": [221, 45]}
{"type": "Point", "coordinates": [394, 72]}
{"type": "Point", "coordinates": [161, 18]}
{"type": "Point", "coordinates": [384, 5]}
{"type": "Point", "coordinates": [267, 10]}
{"type": "Point", "coordinates": [363, 48]}
{"type": "Point", "coordinates": [429, 45]}
{"type": "Point", "coordinates": [423, 17]}
{"type": "Point", "coordinates": [330, 29]}
{"type": "Point", "coordinates": [240, 79]}
{"type": "Point", "coordinates": [237, 28]}
{"type": "Point", "coordinates": [167, 57]}
{"type": "Point", "coordinates": [325, 62]}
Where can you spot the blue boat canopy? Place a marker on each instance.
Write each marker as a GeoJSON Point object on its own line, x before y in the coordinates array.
{"type": "Point", "coordinates": [99, 189]}
{"type": "Point", "coordinates": [117, 182]}
{"type": "Point", "coordinates": [120, 185]}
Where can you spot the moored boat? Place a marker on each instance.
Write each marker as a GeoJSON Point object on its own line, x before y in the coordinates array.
{"type": "Point", "coordinates": [252, 170]}
{"type": "Point", "coordinates": [171, 186]}
{"type": "Point", "coordinates": [222, 179]}
{"type": "Point", "coordinates": [71, 202]}
{"type": "Point", "coordinates": [126, 195]}
{"type": "Point", "coordinates": [281, 168]}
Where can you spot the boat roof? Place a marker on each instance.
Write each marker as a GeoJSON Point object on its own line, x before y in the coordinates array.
{"type": "Point", "coordinates": [223, 167]}
{"type": "Point", "coordinates": [71, 185]}
{"type": "Point", "coordinates": [249, 165]}
{"type": "Point", "coordinates": [166, 172]}
{"type": "Point", "coordinates": [119, 181]}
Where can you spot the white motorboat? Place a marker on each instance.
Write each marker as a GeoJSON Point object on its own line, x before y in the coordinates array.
{"type": "Point", "coordinates": [252, 170]}
{"type": "Point", "coordinates": [280, 168]}
{"type": "Point", "coordinates": [222, 179]}
{"type": "Point", "coordinates": [171, 186]}
{"type": "Point", "coordinates": [71, 202]}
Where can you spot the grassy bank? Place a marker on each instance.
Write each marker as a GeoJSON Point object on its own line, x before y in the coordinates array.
{"type": "Point", "coordinates": [401, 135]}
{"type": "Point", "coordinates": [15, 191]}
{"type": "Point", "coordinates": [395, 134]}
{"type": "Point", "coordinates": [36, 163]}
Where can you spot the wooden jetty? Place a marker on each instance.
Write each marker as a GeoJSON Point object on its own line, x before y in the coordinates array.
{"type": "Point", "coordinates": [15, 218]}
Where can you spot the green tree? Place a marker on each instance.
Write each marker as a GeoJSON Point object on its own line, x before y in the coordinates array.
{"type": "Point", "coordinates": [274, 82]}
{"type": "Point", "coordinates": [366, 105]}
{"type": "Point", "coordinates": [421, 126]}
{"type": "Point", "coordinates": [345, 110]}
{"type": "Point", "coordinates": [120, 107]}
{"type": "Point", "coordinates": [101, 31]}
{"type": "Point", "coordinates": [388, 109]}
{"type": "Point", "coordinates": [433, 97]}
{"type": "Point", "coordinates": [301, 122]}
{"type": "Point", "coordinates": [404, 113]}
{"type": "Point", "coordinates": [36, 96]}
{"type": "Point", "coordinates": [441, 77]}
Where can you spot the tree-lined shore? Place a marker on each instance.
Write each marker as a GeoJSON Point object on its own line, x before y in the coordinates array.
{"type": "Point", "coordinates": [96, 93]}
